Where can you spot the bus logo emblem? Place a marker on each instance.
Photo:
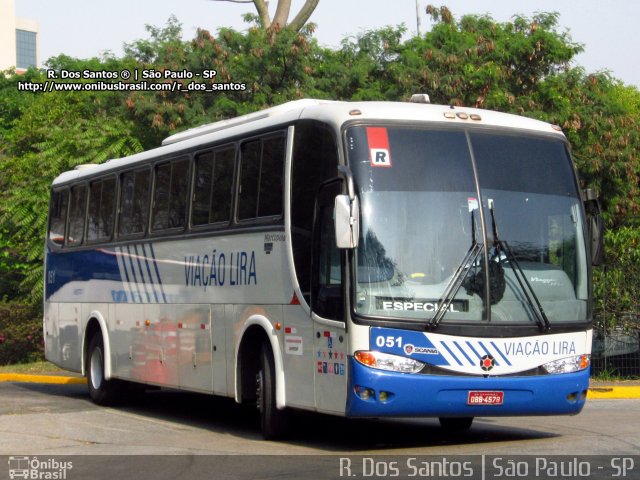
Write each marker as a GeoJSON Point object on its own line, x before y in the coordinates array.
{"type": "Point", "coordinates": [487, 363]}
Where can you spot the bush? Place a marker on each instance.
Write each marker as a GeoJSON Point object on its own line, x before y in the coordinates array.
{"type": "Point", "coordinates": [617, 283]}
{"type": "Point", "coordinates": [20, 334]}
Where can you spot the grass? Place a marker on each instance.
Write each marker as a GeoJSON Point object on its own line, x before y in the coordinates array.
{"type": "Point", "coordinates": [35, 368]}
{"type": "Point", "coordinates": [612, 375]}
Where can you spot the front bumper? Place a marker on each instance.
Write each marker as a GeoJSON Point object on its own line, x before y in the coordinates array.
{"type": "Point", "coordinates": [446, 396]}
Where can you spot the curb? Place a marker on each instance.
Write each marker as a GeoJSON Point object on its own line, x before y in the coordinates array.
{"type": "Point", "coordinates": [610, 392]}
{"type": "Point", "coordinates": [55, 379]}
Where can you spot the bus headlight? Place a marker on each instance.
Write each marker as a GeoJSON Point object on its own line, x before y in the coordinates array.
{"type": "Point", "coordinates": [385, 361]}
{"type": "Point", "coordinates": [568, 365]}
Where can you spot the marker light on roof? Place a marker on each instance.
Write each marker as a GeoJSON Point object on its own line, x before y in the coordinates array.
{"type": "Point", "coordinates": [475, 116]}
{"type": "Point", "coordinates": [450, 115]}
{"type": "Point", "coordinates": [462, 115]}
{"type": "Point", "coordinates": [420, 98]}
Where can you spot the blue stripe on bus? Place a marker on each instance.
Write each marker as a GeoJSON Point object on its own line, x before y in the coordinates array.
{"type": "Point", "coordinates": [501, 354]}
{"type": "Point", "coordinates": [126, 272]}
{"type": "Point", "coordinates": [451, 353]}
{"type": "Point", "coordinates": [146, 261]}
{"type": "Point", "coordinates": [473, 350]}
{"type": "Point", "coordinates": [65, 267]}
{"type": "Point", "coordinates": [144, 282]}
{"type": "Point", "coordinates": [135, 277]}
{"type": "Point", "coordinates": [155, 264]}
{"type": "Point", "coordinates": [464, 353]}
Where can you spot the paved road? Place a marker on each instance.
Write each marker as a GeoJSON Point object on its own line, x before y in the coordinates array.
{"type": "Point", "coordinates": [61, 420]}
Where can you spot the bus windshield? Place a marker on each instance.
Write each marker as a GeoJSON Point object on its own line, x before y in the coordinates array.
{"type": "Point", "coordinates": [423, 251]}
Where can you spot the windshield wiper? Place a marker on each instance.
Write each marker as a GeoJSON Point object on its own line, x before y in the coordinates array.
{"type": "Point", "coordinates": [501, 245]}
{"type": "Point", "coordinates": [457, 278]}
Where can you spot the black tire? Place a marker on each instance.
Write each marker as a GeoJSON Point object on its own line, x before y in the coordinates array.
{"type": "Point", "coordinates": [101, 391]}
{"type": "Point", "coordinates": [273, 422]}
{"type": "Point", "coordinates": [456, 424]}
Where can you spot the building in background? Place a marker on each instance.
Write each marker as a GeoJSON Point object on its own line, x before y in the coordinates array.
{"type": "Point", "coordinates": [18, 39]}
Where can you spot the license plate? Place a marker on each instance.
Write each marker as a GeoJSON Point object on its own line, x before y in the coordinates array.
{"type": "Point", "coordinates": [485, 398]}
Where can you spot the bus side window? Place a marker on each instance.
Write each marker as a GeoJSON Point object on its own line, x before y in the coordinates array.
{"type": "Point", "coordinates": [222, 186]}
{"type": "Point", "coordinates": [58, 216]}
{"type": "Point", "coordinates": [261, 178]}
{"type": "Point", "coordinates": [102, 199]}
{"type": "Point", "coordinates": [135, 187]}
{"type": "Point", "coordinates": [249, 179]}
{"type": "Point", "coordinates": [212, 189]}
{"type": "Point", "coordinates": [271, 177]}
{"type": "Point", "coordinates": [78, 202]}
{"type": "Point", "coordinates": [170, 195]}
{"type": "Point", "coordinates": [202, 189]}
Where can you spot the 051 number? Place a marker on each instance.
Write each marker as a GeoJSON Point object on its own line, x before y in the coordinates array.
{"type": "Point", "coordinates": [388, 341]}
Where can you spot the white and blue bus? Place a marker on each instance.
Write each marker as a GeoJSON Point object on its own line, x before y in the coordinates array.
{"type": "Point", "coordinates": [368, 259]}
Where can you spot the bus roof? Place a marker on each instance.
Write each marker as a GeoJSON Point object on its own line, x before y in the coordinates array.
{"type": "Point", "coordinates": [333, 112]}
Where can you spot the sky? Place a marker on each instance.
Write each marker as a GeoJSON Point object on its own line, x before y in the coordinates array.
{"type": "Point", "coordinates": [88, 28]}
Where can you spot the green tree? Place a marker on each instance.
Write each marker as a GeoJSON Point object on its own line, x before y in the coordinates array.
{"type": "Point", "coordinates": [57, 133]}
{"type": "Point", "coordinates": [261, 67]}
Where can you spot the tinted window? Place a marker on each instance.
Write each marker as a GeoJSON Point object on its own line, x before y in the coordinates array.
{"type": "Point", "coordinates": [222, 186]}
{"type": "Point", "coordinates": [202, 189]}
{"type": "Point", "coordinates": [270, 196]}
{"type": "Point", "coordinates": [102, 196]}
{"type": "Point", "coordinates": [261, 172]}
{"type": "Point", "coordinates": [58, 216]}
{"type": "Point", "coordinates": [134, 202]}
{"type": "Point", "coordinates": [212, 188]}
{"type": "Point", "coordinates": [249, 179]}
{"type": "Point", "coordinates": [78, 203]}
{"type": "Point", "coordinates": [170, 195]}
{"type": "Point", "coordinates": [523, 164]}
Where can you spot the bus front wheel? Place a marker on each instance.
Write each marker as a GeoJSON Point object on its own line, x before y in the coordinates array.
{"type": "Point", "coordinates": [273, 422]}
{"type": "Point", "coordinates": [456, 424]}
{"type": "Point", "coordinates": [101, 391]}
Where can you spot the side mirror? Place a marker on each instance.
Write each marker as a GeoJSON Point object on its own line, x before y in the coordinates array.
{"type": "Point", "coordinates": [346, 219]}
{"type": "Point", "coordinates": [595, 226]}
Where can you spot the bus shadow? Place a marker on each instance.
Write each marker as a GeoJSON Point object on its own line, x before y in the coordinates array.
{"type": "Point", "coordinates": [322, 432]}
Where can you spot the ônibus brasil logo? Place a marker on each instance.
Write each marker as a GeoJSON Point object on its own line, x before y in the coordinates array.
{"type": "Point", "coordinates": [487, 363]}
{"type": "Point", "coordinates": [33, 468]}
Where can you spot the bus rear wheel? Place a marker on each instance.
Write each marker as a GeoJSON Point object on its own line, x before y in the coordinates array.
{"type": "Point", "coordinates": [273, 422]}
{"type": "Point", "coordinates": [101, 390]}
{"type": "Point", "coordinates": [456, 424]}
